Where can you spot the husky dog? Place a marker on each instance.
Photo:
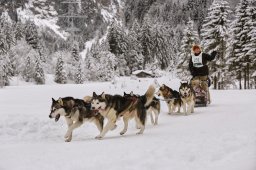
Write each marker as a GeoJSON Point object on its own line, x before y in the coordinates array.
{"type": "Point", "coordinates": [76, 112]}
{"type": "Point", "coordinates": [114, 106]}
{"type": "Point", "coordinates": [152, 108]}
{"type": "Point", "coordinates": [172, 98]}
{"type": "Point", "coordinates": [187, 95]}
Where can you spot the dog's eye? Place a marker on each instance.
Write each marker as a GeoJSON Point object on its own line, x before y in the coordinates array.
{"type": "Point", "coordinates": [98, 103]}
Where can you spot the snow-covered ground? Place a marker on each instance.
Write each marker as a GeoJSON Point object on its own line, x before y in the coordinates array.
{"type": "Point", "coordinates": [221, 136]}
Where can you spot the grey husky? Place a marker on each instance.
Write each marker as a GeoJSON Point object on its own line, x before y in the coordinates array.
{"type": "Point", "coordinates": [76, 112]}
{"type": "Point", "coordinates": [113, 107]}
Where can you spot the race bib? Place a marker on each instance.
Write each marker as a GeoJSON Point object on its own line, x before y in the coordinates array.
{"type": "Point", "coordinates": [197, 60]}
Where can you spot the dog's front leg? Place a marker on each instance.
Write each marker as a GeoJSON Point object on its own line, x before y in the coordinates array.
{"type": "Point", "coordinates": [151, 116]}
{"type": "Point", "coordinates": [184, 107]}
{"type": "Point", "coordinates": [110, 125]}
{"type": "Point", "coordinates": [192, 106]}
{"type": "Point", "coordinates": [69, 123]}
{"type": "Point", "coordinates": [189, 109]}
{"type": "Point", "coordinates": [70, 130]}
{"type": "Point", "coordinates": [156, 117]}
{"type": "Point", "coordinates": [125, 119]}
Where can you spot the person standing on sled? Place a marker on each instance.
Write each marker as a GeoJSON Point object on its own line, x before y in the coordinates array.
{"type": "Point", "coordinates": [199, 69]}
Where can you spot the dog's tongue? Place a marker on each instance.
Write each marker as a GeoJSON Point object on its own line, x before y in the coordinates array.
{"type": "Point", "coordinates": [57, 117]}
{"type": "Point", "coordinates": [94, 112]}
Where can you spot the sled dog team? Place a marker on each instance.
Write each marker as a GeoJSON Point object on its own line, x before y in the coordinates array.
{"type": "Point", "coordinates": [98, 107]}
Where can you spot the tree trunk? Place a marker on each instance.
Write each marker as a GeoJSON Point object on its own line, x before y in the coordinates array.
{"type": "Point", "coordinates": [219, 82]}
{"type": "Point", "coordinates": [248, 75]}
{"type": "Point", "coordinates": [240, 78]}
{"type": "Point", "coordinates": [255, 82]}
{"type": "Point", "coordinates": [215, 82]}
{"type": "Point", "coordinates": [245, 80]}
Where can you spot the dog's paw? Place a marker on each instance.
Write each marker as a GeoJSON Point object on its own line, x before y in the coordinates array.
{"type": "Point", "coordinates": [114, 127]}
{"type": "Point", "coordinates": [155, 123]}
{"type": "Point", "coordinates": [68, 140]}
{"type": "Point", "coordinates": [139, 133]}
{"type": "Point", "coordinates": [122, 132]}
{"type": "Point", "coordinates": [98, 137]}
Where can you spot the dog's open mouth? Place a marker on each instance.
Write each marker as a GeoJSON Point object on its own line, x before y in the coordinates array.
{"type": "Point", "coordinates": [57, 117]}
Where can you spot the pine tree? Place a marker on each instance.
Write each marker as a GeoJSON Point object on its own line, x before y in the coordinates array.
{"type": "Point", "coordinates": [190, 37]}
{"type": "Point", "coordinates": [60, 74]}
{"type": "Point", "coordinates": [27, 73]}
{"type": "Point", "coordinates": [145, 38]}
{"type": "Point", "coordinates": [117, 39]}
{"type": "Point", "coordinates": [31, 34]}
{"type": "Point", "coordinates": [39, 72]}
{"type": "Point", "coordinates": [214, 37]}
{"type": "Point", "coordinates": [160, 45]}
{"type": "Point", "coordinates": [3, 43]}
{"type": "Point", "coordinates": [238, 40]}
{"type": "Point", "coordinates": [79, 74]}
{"type": "Point", "coordinates": [4, 71]}
{"type": "Point", "coordinates": [249, 48]}
{"type": "Point", "coordinates": [19, 30]}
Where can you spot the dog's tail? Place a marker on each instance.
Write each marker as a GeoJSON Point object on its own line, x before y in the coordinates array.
{"type": "Point", "coordinates": [149, 95]}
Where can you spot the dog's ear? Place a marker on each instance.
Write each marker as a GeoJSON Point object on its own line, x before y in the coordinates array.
{"type": "Point", "coordinates": [60, 101]}
{"type": "Point", "coordinates": [94, 94]}
{"type": "Point", "coordinates": [103, 95]}
{"type": "Point", "coordinates": [53, 100]}
{"type": "Point", "coordinates": [131, 93]}
{"type": "Point", "coordinates": [125, 94]}
{"type": "Point", "coordinates": [164, 85]}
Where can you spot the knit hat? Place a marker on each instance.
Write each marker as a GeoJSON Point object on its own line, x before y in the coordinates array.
{"type": "Point", "coordinates": [196, 47]}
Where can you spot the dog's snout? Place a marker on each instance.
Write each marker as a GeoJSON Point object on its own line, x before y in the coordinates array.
{"type": "Point", "coordinates": [93, 108]}
{"type": "Point", "coordinates": [50, 116]}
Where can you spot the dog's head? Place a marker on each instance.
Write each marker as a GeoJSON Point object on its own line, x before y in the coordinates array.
{"type": "Point", "coordinates": [164, 91]}
{"type": "Point", "coordinates": [185, 89]}
{"type": "Point", "coordinates": [99, 102]}
{"type": "Point", "coordinates": [56, 109]}
{"type": "Point", "coordinates": [128, 95]}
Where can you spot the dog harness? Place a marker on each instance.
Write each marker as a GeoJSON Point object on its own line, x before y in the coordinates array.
{"type": "Point", "coordinates": [197, 60]}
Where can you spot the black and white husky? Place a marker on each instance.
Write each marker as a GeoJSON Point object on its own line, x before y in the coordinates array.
{"type": "Point", "coordinates": [76, 112]}
{"type": "Point", "coordinates": [187, 95]}
{"type": "Point", "coordinates": [114, 106]}
{"type": "Point", "coordinates": [153, 108]}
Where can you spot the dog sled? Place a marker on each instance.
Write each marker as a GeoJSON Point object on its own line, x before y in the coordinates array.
{"type": "Point", "coordinates": [200, 87]}
{"type": "Point", "coordinates": [201, 97]}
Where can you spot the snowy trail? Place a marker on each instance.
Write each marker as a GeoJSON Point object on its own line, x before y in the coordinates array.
{"type": "Point", "coordinates": [221, 136]}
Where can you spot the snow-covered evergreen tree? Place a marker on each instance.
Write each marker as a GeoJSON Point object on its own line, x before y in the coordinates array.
{"type": "Point", "coordinates": [60, 73]}
{"type": "Point", "coordinates": [160, 45]}
{"type": "Point", "coordinates": [31, 34]}
{"type": "Point", "coordinates": [19, 30]}
{"type": "Point", "coordinates": [117, 39]}
{"type": "Point", "coordinates": [28, 71]}
{"type": "Point", "coordinates": [236, 55]}
{"type": "Point", "coordinates": [79, 74]}
{"type": "Point", "coordinates": [4, 71]}
{"type": "Point", "coordinates": [249, 48]}
{"type": "Point", "coordinates": [215, 36]}
{"type": "Point", "coordinates": [145, 38]}
{"type": "Point", "coordinates": [39, 76]}
{"type": "Point", "coordinates": [190, 37]}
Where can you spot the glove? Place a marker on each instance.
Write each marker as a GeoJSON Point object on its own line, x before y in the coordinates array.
{"type": "Point", "coordinates": [214, 53]}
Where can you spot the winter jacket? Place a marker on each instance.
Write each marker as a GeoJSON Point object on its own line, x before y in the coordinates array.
{"type": "Point", "coordinates": [197, 65]}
